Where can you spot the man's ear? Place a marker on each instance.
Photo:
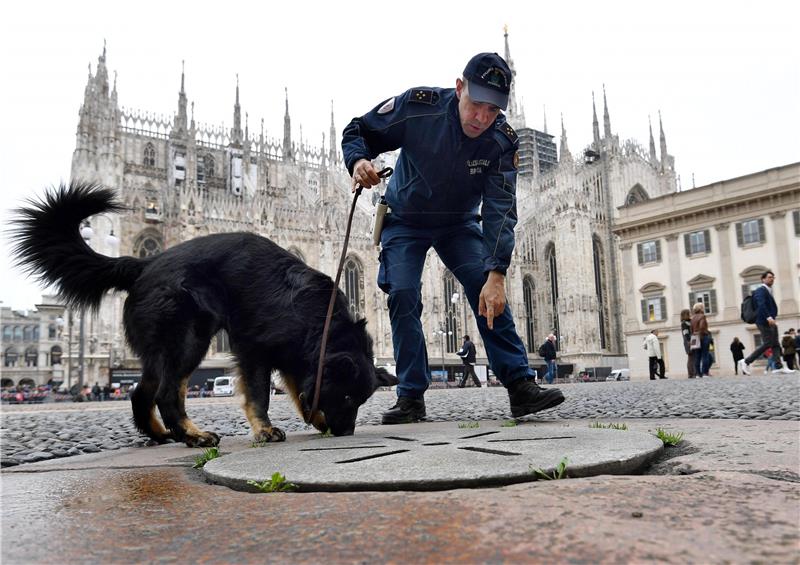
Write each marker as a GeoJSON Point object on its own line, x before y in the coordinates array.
{"type": "Point", "coordinates": [459, 88]}
{"type": "Point", "coordinates": [385, 378]}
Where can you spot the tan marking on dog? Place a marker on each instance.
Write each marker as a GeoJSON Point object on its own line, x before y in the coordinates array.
{"type": "Point", "coordinates": [190, 429]}
{"type": "Point", "coordinates": [291, 389]}
{"type": "Point", "coordinates": [155, 423]}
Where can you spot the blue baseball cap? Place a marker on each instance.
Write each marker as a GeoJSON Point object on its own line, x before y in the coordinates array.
{"type": "Point", "coordinates": [489, 79]}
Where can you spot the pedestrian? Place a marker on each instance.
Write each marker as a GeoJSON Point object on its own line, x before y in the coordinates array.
{"type": "Point", "coordinates": [656, 361]}
{"type": "Point", "coordinates": [770, 361]}
{"type": "Point", "coordinates": [467, 354]}
{"type": "Point", "coordinates": [766, 312]}
{"type": "Point", "coordinates": [453, 190]}
{"type": "Point", "coordinates": [96, 392]}
{"type": "Point", "coordinates": [737, 350]}
{"type": "Point", "coordinates": [548, 352]}
{"type": "Point", "coordinates": [712, 356]}
{"type": "Point", "coordinates": [789, 349]}
{"type": "Point", "coordinates": [702, 338]}
{"type": "Point", "coordinates": [686, 333]}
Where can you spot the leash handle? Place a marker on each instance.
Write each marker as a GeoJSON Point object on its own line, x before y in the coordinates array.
{"type": "Point", "coordinates": [383, 173]}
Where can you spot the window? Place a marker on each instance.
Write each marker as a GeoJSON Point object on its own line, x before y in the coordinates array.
{"type": "Point", "coordinates": [748, 288]}
{"type": "Point", "coordinates": [10, 357]}
{"type": "Point", "coordinates": [550, 253]}
{"type": "Point", "coordinates": [654, 309]}
{"type": "Point", "coordinates": [697, 242]}
{"type": "Point", "coordinates": [147, 244]}
{"type": "Point", "coordinates": [31, 357]}
{"type": "Point", "coordinates": [530, 328]}
{"type": "Point", "coordinates": [7, 333]}
{"type": "Point", "coordinates": [27, 333]}
{"type": "Point", "coordinates": [796, 219]}
{"type": "Point", "coordinates": [149, 155]}
{"type": "Point", "coordinates": [180, 168]}
{"type": "Point", "coordinates": [223, 342]}
{"type": "Point", "coordinates": [600, 291]}
{"type": "Point", "coordinates": [208, 165]}
{"type": "Point", "coordinates": [649, 252]}
{"type": "Point", "coordinates": [17, 333]}
{"type": "Point", "coordinates": [55, 355]}
{"type": "Point", "coordinates": [707, 297]}
{"type": "Point", "coordinates": [750, 232]}
{"type": "Point", "coordinates": [450, 317]}
{"type": "Point", "coordinates": [352, 286]}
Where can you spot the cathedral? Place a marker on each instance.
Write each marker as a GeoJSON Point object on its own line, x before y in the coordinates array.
{"type": "Point", "coordinates": [182, 179]}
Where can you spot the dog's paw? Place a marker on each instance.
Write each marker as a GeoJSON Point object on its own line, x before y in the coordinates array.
{"type": "Point", "coordinates": [270, 434]}
{"type": "Point", "coordinates": [204, 439]}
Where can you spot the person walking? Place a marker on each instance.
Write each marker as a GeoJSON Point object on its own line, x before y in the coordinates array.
{"type": "Point", "coordinates": [789, 349]}
{"type": "Point", "coordinates": [453, 190]}
{"type": "Point", "coordinates": [686, 333]}
{"type": "Point", "coordinates": [467, 354]}
{"type": "Point", "coordinates": [737, 350]}
{"type": "Point", "coordinates": [700, 330]}
{"type": "Point", "coordinates": [766, 313]}
{"type": "Point", "coordinates": [548, 352]}
{"type": "Point", "coordinates": [656, 361]}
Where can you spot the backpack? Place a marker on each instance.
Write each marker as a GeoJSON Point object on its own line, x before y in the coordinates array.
{"type": "Point", "coordinates": [541, 350]}
{"type": "Point", "coordinates": [748, 310]}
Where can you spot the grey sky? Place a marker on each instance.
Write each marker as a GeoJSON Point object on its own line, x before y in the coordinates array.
{"type": "Point", "coordinates": [726, 77]}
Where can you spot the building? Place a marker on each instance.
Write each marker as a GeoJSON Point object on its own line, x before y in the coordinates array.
{"type": "Point", "coordinates": [32, 344]}
{"type": "Point", "coordinates": [710, 244]}
{"type": "Point", "coordinates": [182, 179]}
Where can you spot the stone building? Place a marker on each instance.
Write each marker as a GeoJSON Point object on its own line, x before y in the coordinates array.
{"type": "Point", "coordinates": [710, 245]}
{"type": "Point", "coordinates": [182, 179]}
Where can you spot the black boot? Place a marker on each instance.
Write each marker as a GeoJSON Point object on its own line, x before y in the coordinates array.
{"type": "Point", "coordinates": [527, 398]}
{"type": "Point", "coordinates": [405, 411]}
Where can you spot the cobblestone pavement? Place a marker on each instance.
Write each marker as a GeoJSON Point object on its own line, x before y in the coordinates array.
{"type": "Point", "coordinates": [37, 432]}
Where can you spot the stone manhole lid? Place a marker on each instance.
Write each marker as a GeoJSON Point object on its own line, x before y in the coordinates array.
{"type": "Point", "coordinates": [435, 456]}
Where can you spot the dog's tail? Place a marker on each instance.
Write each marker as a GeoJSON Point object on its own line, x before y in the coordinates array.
{"type": "Point", "coordinates": [48, 245]}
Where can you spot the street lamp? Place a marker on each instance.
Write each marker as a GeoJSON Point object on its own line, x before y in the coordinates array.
{"type": "Point", "coordinates": [441, 332]}
{"type": "Point", "coordinates": [87, 233]}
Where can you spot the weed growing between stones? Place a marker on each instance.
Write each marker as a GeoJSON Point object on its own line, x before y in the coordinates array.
{"type": "Point", "coordinates": [463, 425]}
{"type": "Point", "coordinates": [560, 471]}
{"type": "Point", "coordinates": [610, 425]}
{"type": "Point", "coordinates": [208, 455]}
{"type": "Point", "coordinates": [669, 438]}
{"type": "Point", "coordinates": [509, 424]}
{"type": "Point", "coordinates": [326, 433]}
{"type": "Point", "coordinates": [277, 483]}
{"type": "Point", "coordinates": [259, 444]}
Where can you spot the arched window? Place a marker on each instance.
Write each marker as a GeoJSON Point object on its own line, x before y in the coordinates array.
{"type": "Point", "coordinates": [31, 357]}
{"type": "Point", "coordinates": [354, 285]}
{"type": "Point", "coordinates": [6, 383]}
{"type": "Point", "coordinates": [148, 243]}
{"type": "Point", "coordinates": [51, 331]}
{"type": "Point", "coordinates": [450, 316]}
{"type": "Point", "coordinates": [553, 274]}
{"type": "Point", "coordinates": [8, 332]}
{"type": "Point", "coordinates": [208, 165]}
{"type": "Point", "coordinates": [636, 194]}
{"type": "Point", "coordinates": [530, 324]}
{"type": "Point", "coordinates": [149, 155]}
{"type": "Point", "coordinates": [17, 333]}
{"type": "Point", "coordinates": [10, 357]}
{"type": "Point", "coordinates": [35, 333]}
{"type": "Point", "coordinates": [27, 333]}
{"type": "Point", "coordinates": [55, 355]}
{"type": "Point", "coordinates": [600, 291]}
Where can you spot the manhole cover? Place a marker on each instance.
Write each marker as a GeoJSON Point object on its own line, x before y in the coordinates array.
{"type": "Point", "coordinates": [435, 456]}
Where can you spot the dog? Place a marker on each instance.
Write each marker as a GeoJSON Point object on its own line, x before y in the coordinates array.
{"type": "Point", "coordinates": [272, 305]}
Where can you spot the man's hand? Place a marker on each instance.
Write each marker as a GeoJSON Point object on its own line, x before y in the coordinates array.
{"type": "Point", "coordinates": [364, 174]}
{"type": "Point", "coordinates": [492, 300]}
{"type": "Point", "coordinates": [771, 322]}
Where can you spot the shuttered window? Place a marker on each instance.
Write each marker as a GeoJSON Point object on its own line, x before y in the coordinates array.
{"type": "Point", "coordinates": [654, 309]}
{"type": "Point", "coordinates": [649, 252]}
{"type": "Point", "coordinates": [707, 297]}
{"type": "Point", "coordinates": [697, 242]}
{"type": "Point", "coordinates": [750, 232]}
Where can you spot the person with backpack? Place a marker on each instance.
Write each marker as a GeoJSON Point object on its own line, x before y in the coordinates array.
{"type": "Point", "coordinates": [766, 312]}
{"type": "Point", "coordinates": [701, 334]}
{"type": "Point", "coordinates": [467, 354]}
{"type": "Point", "coordinates": [548, 352]}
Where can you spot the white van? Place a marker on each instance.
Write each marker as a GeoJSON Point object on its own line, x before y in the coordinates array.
{"type": "Point", "coordinates": [224, 385]}
{"type": "Point", "coordinates": [619, 375]}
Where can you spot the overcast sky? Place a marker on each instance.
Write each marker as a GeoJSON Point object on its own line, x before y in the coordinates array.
{"type": "Point", "coordinates": [725, 76]}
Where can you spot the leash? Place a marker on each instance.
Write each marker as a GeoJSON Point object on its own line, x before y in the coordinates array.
{"type": "Point", "coordinates": [384, 173]}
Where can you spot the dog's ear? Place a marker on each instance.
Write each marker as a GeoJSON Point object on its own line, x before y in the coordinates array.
{"type": "Point", "coordinates": [385, 378]}
{"type": "Point", "coordinates": [340, 366]}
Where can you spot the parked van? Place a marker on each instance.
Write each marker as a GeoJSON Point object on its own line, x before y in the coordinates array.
{"type": "Point", "coordinates": [619, 375]}
{"type": "Point", "coordinates": [224, 385]}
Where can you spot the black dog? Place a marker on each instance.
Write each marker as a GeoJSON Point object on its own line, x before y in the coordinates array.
{"type": "Point", "coordinates": [271, 304]}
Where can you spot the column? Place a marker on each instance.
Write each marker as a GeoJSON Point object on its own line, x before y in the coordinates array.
{"type": "Point", "coordinates": [783, 274]}
{"type": "Point", "coordinates": [631, 307]}
{"type": "Point", "coordinates": [675, 282]}
{"type": "Point", "coordinates": [727, 281]}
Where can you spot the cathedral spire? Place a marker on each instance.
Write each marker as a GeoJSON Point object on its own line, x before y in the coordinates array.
{"type": "Point", "coordinates": [595, 125]}
{"type": "Point", "coordinates": [236, 133]}
{"type": "Point", "coordinates": [180, 118]}
{"type": "Point", "coordinates": [666, 161]}
{"type": "Point", "coordinates": [606, 118]}
{"type": "Point", "coordinates": [653, 158]}
{"type": "Point", "coordinates": [565, 155]}
{"type": "Point", "coordinates": [333, 155]}
{"type": "Point", "coordinates": [515, 113]}
{"type": "Point", "coordinates": [101, 78]}
{"type": "Point", "coordinates": [544, 115]}
{"type": "Point", "coordinates": [287, 129]}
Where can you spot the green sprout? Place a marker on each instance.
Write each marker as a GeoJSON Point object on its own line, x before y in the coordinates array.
{"type": "Point", "coordinates": [669, 438]}
{"type": "Point", "coordinates": [509, 424]}
{"type": "Point", "coordinates": [326, 433]}
{"type": "Point", "coordinates": [277, 483]}
{"type": "Point", "coordinates": [463, 425]}
{"type": "Point", "coordinates": [259, 444]}
{"type": "Point", "coordinates": [610, 425]}
{"type": "Point", "coordinates": [560, 471]}
{"type": "Point", "coordinates": [208, 455]}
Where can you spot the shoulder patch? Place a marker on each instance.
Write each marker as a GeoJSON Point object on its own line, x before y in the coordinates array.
{"type": "Point", "coordinates": [424, 96]}
{"type": "Point", "coordinates": [509, 132]}
{"type": "Point", "coordinates": [387, 107]}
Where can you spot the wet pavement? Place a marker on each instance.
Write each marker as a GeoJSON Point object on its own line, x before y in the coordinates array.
{"type": "Point", "coordinates": [729, 493]}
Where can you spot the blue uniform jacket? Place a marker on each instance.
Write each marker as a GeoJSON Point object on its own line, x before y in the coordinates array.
{"type": "Point", "coordinates": [765, 306]}
{"type": "Point", "coordinates": [442, 177]}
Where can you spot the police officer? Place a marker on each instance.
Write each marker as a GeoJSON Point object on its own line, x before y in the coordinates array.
{"type": "Point", "coordinates": [453, 189]}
